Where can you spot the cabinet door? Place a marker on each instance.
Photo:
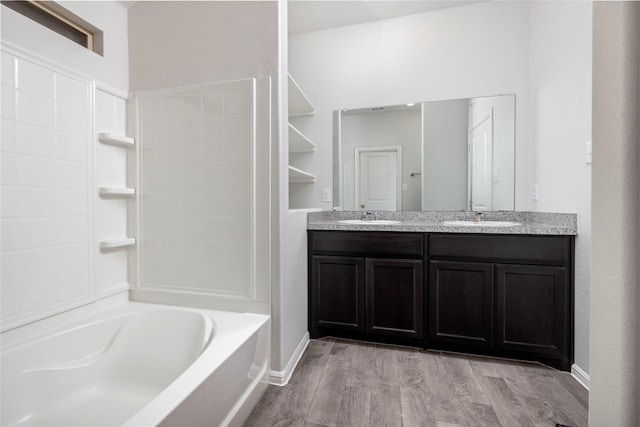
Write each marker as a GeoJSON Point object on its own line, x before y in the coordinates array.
{"type": "Point", "coordinates": [461, 303]}
{"type": "Point", "coordinates": [532, 308]}
{"type": "Point", "coordinates": [394, 293]}
{"type": "Point", "coordinates": [337, 293]}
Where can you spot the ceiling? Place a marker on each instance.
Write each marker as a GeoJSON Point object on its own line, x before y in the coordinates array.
{"type": "Point", "coordinates": [314, 15]}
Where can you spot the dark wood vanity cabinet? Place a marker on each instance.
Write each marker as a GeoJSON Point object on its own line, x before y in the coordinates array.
{"type": "Point", "coordinates": [337, 293]}
{"type": "Point", "coordinates": [366, 284]}
{"type": "Point", "coordinates": [461, 296]}
{"type": "Point", "coordinates": [506, 295]}
{"type": "Point", "coordinates": [503, 295]}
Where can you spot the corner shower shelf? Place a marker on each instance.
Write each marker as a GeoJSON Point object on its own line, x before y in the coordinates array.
{"type": "Point", "coordinates": [117, 140]}
{"type": "Point", "coordinates": [117, 243]}
{"type": "Point", "coordinates": [299, 176]}
{"type": "Point", "coordinates": [298, 143]}
{"type": "Point", "coordinates": [116, 192]}
{"type": "Point", "coordinates": [299, 104]}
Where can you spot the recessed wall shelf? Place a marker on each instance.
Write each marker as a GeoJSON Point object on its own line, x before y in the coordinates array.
{"type": "Point", "coordinates": [117, 140]}
{"type": "Point", "coordinates": [117, 243]}
{"type": "Point", "coordinates": [114, 192]}
{"type": "Point", "coordinates": [299, 176]}
{"type": "Point", "coordinates": [298, 143]}
{"type": "Point", "coordinates": [299, 104]}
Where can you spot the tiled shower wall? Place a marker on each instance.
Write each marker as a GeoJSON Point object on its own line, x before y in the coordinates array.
{"type": "Point", "coordinates": [197, 156]}
{"type": "Point", "coordinates": [48, 243]}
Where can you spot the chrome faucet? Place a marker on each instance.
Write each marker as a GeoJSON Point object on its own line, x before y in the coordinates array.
{"type": "Point", "coordinates": [477, 216]}
{"type": "Point", "coordinates": [369, 216]}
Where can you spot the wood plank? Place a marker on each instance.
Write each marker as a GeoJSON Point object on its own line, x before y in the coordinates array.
{"type": "Point", "coordinates": [562, 400]}
{"type": "Point", "coordinates": [441, 424]}
{"type": "Point", "coordinates": [480, 415]}
{"type": "Point", "coordinates": [462, 379]}
{"type": "Point", "coordinates": [448, 408]}
{"type": "Point", "coordinates": [416, 400]}
{"type": "Point", "coordinates": [317, 352]}
{"type": "Point", "coordinates": [508, 408]}
{"type": "Point", "coordinates": [537, 407]}
{"type": "Point", "coordinates": [386, 408]}
{"type": "Point", "coordinates": [577, 390]}
{"type": "Point", "coordinates": [294, 403]}
{"type": "Point", "coordinates": [355, 408]}
{"type": "Point", "coordinates": [350, 383]}
{"type": "Point", "coordinates": [328, 397]}
{"type": "Point", "coordinates": [265, 407]}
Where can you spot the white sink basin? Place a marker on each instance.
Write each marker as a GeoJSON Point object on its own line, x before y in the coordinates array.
{"type": "Point", "coordinates": [482, 223]}
{"type": "Point", "coordinates": [369, 222]}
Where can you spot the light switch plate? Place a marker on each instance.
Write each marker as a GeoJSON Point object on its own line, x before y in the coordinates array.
{"type": "Point", "coordinates": [589, 152]}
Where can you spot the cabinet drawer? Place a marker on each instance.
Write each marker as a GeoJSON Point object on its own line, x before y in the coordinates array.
{"type": "Point", "coordinates": [548, 249]}
{"type": "Point", "coordinates": [366, 243]}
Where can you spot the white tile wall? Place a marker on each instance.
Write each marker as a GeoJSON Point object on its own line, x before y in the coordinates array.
{"type": "Point", "coordinates": [110, 213]}
{"type": "Point", "coordinates": [45, 183]}
{"type": "Point", "coordinates": [196, 173]}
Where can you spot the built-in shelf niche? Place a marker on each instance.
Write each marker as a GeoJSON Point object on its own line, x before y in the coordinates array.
{"type": "Point", "coordinates": [298, 143]}
{"type": "Point", "coordinates": [118, 243]}
{"type": "Point", "coordinates": [299, 105]}
{"type": "Point", "coordinates": [116, 192]}
{"type": "Point", "coordinates": [109, 138]}
{"type": "Point", "coordinates": [299, 176]}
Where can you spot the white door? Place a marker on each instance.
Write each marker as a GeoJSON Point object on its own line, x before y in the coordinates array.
{"type": "Point", "coordinates": [481, 164]}
{"type": "Point", "coordinates": [378, 177]}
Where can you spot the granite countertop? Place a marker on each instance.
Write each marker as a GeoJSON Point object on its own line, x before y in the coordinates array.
{"type": "Point", "coordinates": [538, 223]}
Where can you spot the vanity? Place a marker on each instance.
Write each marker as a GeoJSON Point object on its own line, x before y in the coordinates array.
{"type": "Point", "coordinates": [491, 288]}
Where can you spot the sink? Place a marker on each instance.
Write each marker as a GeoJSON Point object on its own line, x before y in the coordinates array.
{"type": "Point", "coordinates": [369, 222]}
{"type": "Point", "coordinates": [482, 223]}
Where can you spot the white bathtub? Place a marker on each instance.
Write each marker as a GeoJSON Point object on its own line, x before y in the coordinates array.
{"type": "Point", "coordinates": [135, 364]}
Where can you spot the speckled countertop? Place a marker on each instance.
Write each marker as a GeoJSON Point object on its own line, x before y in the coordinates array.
{"type": "Point", "coordinates": [541, 223]}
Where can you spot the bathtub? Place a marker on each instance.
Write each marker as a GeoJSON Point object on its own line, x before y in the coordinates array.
{"type": "Point", "coordinates": [135, 364]}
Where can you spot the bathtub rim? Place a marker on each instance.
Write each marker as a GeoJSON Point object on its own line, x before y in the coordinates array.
{"type": "Point", "coordinates": [224, 335]}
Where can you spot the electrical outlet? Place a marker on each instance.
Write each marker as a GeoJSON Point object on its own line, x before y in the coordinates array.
{"type": "Point", "coordinates": [536, 192]}
{"type": "Point", "coordinates": [589, 152]}
{"type": "Point", "coordinates": [326, 194]}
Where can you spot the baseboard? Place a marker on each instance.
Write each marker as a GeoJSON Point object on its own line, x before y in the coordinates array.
{"type": "Point", "coordinates": [281, 378]}
{"type": "Point", "coordinates": [581, 376]}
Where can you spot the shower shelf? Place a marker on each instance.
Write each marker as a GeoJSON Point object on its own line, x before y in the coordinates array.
{"type": "Point", "coordinates": [299, 176]}
{"type": "Point", "coordinates": [298, 143]}
{"type": "Point", "coordinates": [117, 192]}
{"type": "Point", "coordinates": [117, 243]}
{"type": "Point", "coordinates": [299, 104]}
{"type": "Point", "coordinates": [117, 140]}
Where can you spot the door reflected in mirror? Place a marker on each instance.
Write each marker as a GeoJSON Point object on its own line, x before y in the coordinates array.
{"type": "Point", "coordinates": [439, 156]}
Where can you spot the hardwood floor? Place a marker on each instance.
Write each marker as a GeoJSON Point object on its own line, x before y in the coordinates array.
{"type": "Point", "coordinates": [349, 383]}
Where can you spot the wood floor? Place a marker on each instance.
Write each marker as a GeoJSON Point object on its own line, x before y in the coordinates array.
{"type": "Point", "coordinates": [348, 383]}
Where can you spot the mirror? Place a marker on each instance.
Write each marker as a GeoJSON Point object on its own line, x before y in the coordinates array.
{"type": "Point", "coordinates": [440, 156]}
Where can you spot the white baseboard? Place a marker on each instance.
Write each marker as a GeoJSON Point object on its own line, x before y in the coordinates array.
{"type": "Point", "coordinates": [281, 378]}
{"type": "Point", "coordinates": [581, 376]}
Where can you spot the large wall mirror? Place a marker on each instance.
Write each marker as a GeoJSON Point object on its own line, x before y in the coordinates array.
{"type": "Point", "coordinates": [440, 156]}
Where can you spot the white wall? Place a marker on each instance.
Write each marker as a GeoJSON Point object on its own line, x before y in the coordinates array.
{"type": "Point", "coordinates": [615, 289]}
{"type": "Point", "coordinates": [460, 52]}
{"type": "Point", "coordinates": [176, 43]}
{"type": "Point", "coordinates": [560, 126]}
{"type": "Point", "coordinates": [110, 17]}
